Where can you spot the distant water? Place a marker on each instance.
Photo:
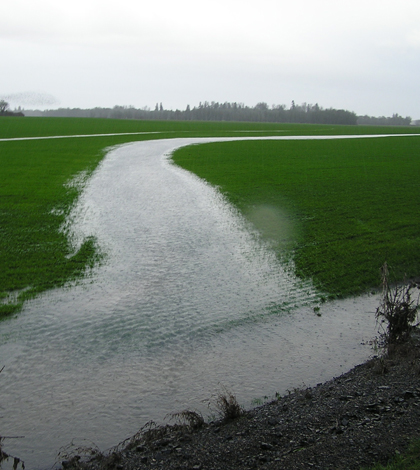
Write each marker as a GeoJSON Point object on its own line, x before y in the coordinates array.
{"type": "Point", "coordinates": [189, 298]}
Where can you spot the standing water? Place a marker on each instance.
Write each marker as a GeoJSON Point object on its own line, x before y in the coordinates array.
{"type": "Point", "coordinates": [188, 299]}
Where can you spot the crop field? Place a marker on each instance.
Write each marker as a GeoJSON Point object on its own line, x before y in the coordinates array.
{"type": "Point", "coordinates": [12, 127]}
{"type": "Point", "coordinates": [338, 208]}
{"type": "Point", "coordinates": [341, 199]}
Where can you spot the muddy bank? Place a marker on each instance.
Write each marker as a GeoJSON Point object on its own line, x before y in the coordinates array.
{"type": "Point", "coordinates": [353, 420]}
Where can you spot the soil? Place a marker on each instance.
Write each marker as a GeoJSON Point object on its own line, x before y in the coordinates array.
{"type": "Point", "coordinates": [357, 419]}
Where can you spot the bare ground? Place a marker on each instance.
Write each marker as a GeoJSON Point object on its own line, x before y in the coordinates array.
{"type": "Point", "coordinates": [361, 417]}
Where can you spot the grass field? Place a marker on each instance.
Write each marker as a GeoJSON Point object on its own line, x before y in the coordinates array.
{"type": "Point", "coordinates": [12, 127]}
{"type": "Point", "coordinates": [35, 255]}
{"type": "Point", "coordinates": [338, 208]}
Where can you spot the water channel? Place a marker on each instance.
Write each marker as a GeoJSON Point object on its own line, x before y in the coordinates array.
{"type": "Point", "coordinates": [189, 299]}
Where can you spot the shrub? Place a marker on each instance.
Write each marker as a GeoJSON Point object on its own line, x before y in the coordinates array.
{"type": "Point", "coordinates": [397, 309]}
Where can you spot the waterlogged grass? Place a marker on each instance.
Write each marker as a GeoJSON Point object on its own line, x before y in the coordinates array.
{"type": "Point", "coordinates": [34, 202]}
{"type": "Point", "coordinates": [339, 208]}
{"type": "Point", "coordinates": [35, 197]}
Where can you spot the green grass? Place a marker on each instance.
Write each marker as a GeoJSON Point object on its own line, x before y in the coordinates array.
{"type": "Point", "coordinates": [11, 127]}
{"type": "Point", "coordinates": [35, 200]}
{"type": "Point", "coordinates": [407, 461]}
{"type": "Point", "coordinates": [339, 208]}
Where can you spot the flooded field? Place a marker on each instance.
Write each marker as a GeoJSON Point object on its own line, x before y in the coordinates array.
{"type": "Point", "coordinates": [188, 299]}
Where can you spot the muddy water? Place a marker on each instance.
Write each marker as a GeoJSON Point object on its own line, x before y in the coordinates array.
{"type": "Point", "coordinates": [189, 298]}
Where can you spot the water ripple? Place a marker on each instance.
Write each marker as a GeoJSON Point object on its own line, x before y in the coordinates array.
{"type": "Point", "coordinates": [188, 297]}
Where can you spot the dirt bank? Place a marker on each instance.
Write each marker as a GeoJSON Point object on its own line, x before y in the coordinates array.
{"type": "Point", "coordinates": [361, 417]}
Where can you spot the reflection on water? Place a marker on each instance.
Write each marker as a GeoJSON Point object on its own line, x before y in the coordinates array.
{"type": "Point", "coordinates": [188, 298]}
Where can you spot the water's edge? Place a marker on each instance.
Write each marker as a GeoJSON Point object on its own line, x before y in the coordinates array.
{"type": "Point", "coordinates": [189, 300]}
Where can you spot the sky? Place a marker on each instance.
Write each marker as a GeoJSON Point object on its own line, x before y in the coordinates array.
{"type": "Point", "coordinates": [363, 55]}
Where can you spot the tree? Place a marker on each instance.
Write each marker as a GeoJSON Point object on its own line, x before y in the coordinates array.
{"type": "Point", "coordinates": [3, 106]}
{"type": "Point", "coordinates": [262, 106]}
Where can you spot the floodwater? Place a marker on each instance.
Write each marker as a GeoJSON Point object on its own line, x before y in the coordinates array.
{"type": "Point", "coordinates": [188, 300]}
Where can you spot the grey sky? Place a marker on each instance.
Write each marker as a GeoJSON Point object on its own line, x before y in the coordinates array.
{"type": "Point", "coordinates": [361, 55]}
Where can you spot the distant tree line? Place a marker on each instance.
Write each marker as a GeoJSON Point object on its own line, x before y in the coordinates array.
{"type": "Point", "coordinates": [394, 120]}
{"type": "Point", "coordinates": [214, 111]}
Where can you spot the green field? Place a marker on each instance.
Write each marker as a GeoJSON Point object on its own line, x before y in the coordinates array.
{"type": "Point", "coordinates": [35, 199]}
{"type": "Point", "coordinates": [338, 208]}
{"type": "Point", "coordinates": [38, 127]}
{"type": "Point", "coordinates": [12, 127]}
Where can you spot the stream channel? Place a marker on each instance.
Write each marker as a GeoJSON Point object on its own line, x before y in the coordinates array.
{"type": "Point", "coordinates": [189, 300]}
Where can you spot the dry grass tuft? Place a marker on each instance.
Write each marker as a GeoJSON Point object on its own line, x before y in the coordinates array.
{"type": "Point", "coordinates": [226, 405]}
{"type": "Point", "coordinates": [398, 310]}
{"type": "Point", "coordinates": [189, 418]}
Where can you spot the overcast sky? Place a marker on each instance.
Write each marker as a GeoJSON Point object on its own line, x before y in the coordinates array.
{"type": "Point", "coordinates": [360, 55]}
